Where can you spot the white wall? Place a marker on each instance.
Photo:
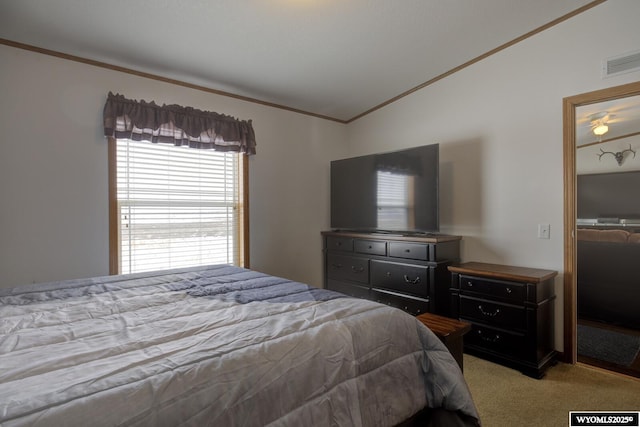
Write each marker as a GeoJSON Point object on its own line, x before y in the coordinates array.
{"type": "Point", "coordinates": [53, 171]}
{"type": "Point", "coordinates": [499, 125]}
{"type": "Point", "coordinates": [588, 159]}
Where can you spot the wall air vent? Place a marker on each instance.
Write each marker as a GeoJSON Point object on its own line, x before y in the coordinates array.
{"type": "Point", "coordinates": [622, 64]}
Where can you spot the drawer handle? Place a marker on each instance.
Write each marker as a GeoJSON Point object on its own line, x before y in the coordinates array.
{"type": "Point", "coordinates": [486, 313]}
{"type": "Point", "coordinates": [336, 266]}
{"type": "Point", "coordinates": [509, 290]}
{"type": "Point", "coordinates": [470, 284]}
{"type": "Point", "coordinates": [357, 269]}
{"type": "Point", "coordinates": [407, 251]}
{"type": "Point", "coordinates": [493, 339]}
{"type": "Point", "coordinates": [411, 281]}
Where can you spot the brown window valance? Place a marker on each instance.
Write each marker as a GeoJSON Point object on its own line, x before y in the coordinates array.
{"type": "Point", "coordinates": [174, 124]}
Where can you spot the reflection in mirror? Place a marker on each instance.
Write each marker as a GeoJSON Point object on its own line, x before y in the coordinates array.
{"type": "Point", "coordinates": [396, 175]}
{"type": "Point", "coordinates": [395, 201]}
{"type": "Point", "coordinates": [608, 136]}
{"type": "Point", "coordinates": [608, 234]}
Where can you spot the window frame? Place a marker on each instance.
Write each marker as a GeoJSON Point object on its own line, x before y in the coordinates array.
{"type": "Point", "coordinates": [114, 218]}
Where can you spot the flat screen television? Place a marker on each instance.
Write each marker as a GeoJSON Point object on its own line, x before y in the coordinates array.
{"type": "Point", "coordinates": [395, 192]}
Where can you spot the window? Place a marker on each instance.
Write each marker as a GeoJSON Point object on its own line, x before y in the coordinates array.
{"type": "Point", "coordinates": [173, 206]}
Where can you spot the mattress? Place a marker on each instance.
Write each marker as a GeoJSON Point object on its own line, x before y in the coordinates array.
{"type": "Point", "coordinates": [216, 345]}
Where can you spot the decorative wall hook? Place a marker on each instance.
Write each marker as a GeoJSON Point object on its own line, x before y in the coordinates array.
{"type": "Point", "coordinates": [619, 155]}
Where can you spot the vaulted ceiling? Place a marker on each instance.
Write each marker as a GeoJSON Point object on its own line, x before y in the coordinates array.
{"type": "Point", "coordinates": [331, 58]}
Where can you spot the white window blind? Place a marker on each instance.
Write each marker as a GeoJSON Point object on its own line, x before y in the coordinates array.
{"type": "Point", "coordinates": [177, 206]}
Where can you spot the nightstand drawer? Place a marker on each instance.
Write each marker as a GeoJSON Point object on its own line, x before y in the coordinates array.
{"type": "Point", "coordinates": [344, 267]}
{"type": "Point", "coordinates": [507, 291]}
{"type": "Point", "coordinates": [339, 243]}
{"type": "Point", "coordinates": [406, 278]}
{"type": "Point", "coordinates": [499, 315]}
{"type": "Point", "coordinates": [370, 247]}
{"type": "Point", "coordinates": [511, 344]}
{"type": "Point", "coordinates": [409, 250]}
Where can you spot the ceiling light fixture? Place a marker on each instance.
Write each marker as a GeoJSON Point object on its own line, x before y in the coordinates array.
{"type": "Point", "coordinates": [600, 129]}
{"type": "Point", "coordinates": [599, 123]}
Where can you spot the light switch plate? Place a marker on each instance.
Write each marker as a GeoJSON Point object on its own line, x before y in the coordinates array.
{"type": "Point", "coordinates": [544, 231]}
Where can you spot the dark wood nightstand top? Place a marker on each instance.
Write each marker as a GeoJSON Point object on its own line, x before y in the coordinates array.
{"type": "Point", "coordinates": [504, 272]}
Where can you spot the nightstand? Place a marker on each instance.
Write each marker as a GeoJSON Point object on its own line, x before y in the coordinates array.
{"type": "Point", "coordinates": [511, 312]}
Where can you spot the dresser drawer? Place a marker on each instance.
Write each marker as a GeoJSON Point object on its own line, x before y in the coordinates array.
{"type": "Point", "coordinates": [411, 279]}
{"type": "Point", "coordinates": [506, 291]}
{"type": "Point", "coordinates": [409, 250]}
{"type": "Point", "coordinates": [513, 345]}
{"type": "Point", "coordinates": [414, 306]}
{"type": "Point", "coordinates": [370, 247]}
{"type": "Point", "coordinates": [344, 267]}
{"type": "Point", "coordinates": [350, 289]}
{"type": "Point", "coordinates": [339, 243]}
{"type": "Point", "coordinates": [495, 314]}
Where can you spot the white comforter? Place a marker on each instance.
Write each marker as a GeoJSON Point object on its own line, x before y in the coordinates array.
{"type": "Point", "coordinates": [218, 346]}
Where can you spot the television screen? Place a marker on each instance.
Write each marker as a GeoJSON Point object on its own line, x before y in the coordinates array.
{"type": "Point", "coordinates": [388, 192]}
{"type": "Point", "coordinates": [606, 195]}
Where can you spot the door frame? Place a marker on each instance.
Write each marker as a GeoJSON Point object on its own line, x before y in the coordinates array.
{"type": "Point", "coordinates": [569, 106]}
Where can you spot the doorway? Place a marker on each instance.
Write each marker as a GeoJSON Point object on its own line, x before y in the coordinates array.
{"type": "Point", "coordinates": [572, 134]}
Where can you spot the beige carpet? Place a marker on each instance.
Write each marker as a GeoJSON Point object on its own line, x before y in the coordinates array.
{"type": "Point", "coordinates": [505, 397]}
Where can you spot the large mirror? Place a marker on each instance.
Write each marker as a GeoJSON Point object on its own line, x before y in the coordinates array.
{"type": "Point", "coordinates": [602, 228]}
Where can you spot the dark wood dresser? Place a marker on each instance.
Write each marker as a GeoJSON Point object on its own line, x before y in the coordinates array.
{"type": "Point", "coordinates": [407, 272]}
{"type": "Point", "coordinates": [511, 312]}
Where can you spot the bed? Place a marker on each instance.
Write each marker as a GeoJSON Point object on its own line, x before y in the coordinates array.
{"type": "Point", "coordinates": [219, 346]}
